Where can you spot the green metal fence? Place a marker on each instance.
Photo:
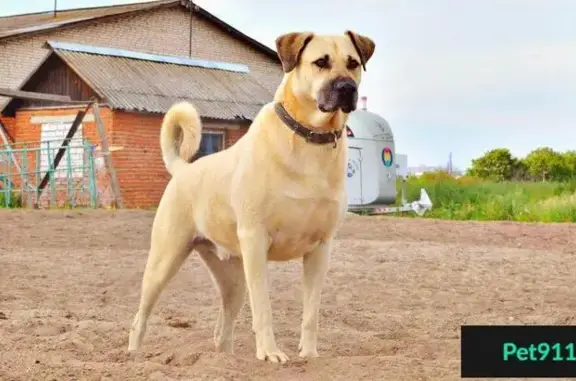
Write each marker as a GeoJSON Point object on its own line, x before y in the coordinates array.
{"type": "Point", "coordinates": [28, 176]}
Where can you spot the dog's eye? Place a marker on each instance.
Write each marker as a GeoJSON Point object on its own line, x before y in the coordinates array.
{"type": "Point", "coordinates": [353, 64]}
{"type": "Point", "coordinates": [321, 62]}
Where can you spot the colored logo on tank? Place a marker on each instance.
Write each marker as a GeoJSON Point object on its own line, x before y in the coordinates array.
{"type": "Point", "coordinates": [387, 157]}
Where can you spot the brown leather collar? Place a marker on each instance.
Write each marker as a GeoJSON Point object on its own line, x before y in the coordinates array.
{"type": "Point", "coordinates": [306, 133]}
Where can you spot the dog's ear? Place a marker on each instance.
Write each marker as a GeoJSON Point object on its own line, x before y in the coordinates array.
{"type": "Point", "coordinates": [364, 46]}
{"type": "Point", "coordinates": [290, 47]}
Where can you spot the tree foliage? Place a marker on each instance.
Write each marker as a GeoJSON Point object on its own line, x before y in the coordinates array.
{"type": "Point", "coordinates": [542, 164]}
{"type": "Point", "coordinates": [497, 164]}
{"type": "Point", "coordinates": [547, 164]}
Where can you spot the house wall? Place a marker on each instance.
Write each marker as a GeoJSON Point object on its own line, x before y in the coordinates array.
{"type": "Point", "coordinates": [161, 31]}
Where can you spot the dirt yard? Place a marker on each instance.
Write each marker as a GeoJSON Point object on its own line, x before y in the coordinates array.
{"type": "Point", "coordinates": [397, 292]}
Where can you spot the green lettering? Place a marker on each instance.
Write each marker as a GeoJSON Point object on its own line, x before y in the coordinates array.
{"type": "Point", "coordinates": [570, 349]}
{"type": "Point", "coordinates": [558, 352]}
{"type": "Point", "coordinates": [508, 350]}
{"type": "Point", "coordinates": [522, 354]}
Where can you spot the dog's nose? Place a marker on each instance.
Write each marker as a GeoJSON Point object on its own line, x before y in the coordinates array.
{"type": "Point", "coordinates": [346, 87]}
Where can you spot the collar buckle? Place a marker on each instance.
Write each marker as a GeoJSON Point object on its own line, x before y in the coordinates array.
{"type": "Point", "coordinates": [309, 135]}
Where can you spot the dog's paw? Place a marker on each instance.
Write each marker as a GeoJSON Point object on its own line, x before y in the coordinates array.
{"type": "Point", "coordinates": [275, 355]}
{"type": "Point", "coordinates": [308, 353]}
{"type": "Point", "coordinates": [224, 346]}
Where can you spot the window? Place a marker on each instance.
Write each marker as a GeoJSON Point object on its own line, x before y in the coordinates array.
{"type": "Point", "coordinates": [211, 142]}
{"type": "Point", "coordinates": [51, 137]}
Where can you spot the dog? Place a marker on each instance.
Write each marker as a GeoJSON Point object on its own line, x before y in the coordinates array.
{"type": "Point", "coordinates": [277, 194]}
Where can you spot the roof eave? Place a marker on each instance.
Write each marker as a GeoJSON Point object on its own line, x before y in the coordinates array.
{"type": "Point", "coordinates": [74, 22]}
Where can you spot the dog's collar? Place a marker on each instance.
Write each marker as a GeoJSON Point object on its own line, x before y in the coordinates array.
{"type": "Point", "coordinates": [308, 134]}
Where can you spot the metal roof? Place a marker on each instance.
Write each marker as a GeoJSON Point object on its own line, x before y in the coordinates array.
{"type": "Point", "coordinates": [137, 84]}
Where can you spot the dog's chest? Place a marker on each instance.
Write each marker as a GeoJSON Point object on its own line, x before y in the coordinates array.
{"type": "Point", "coordinates": [302, 226]}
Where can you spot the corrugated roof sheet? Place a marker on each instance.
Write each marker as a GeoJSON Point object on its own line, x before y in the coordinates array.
{"type": "Point", "coordinates": [141, 85]}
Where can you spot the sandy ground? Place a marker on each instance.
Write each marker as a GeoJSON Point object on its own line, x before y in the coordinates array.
{"type": "Point", "coordinates": [397, 292]}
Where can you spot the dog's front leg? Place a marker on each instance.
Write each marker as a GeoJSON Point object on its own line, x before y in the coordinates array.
{"type": "Point", "coordinates": [254, 244]}
{"type": "Point", "coordinates": [315, 267]}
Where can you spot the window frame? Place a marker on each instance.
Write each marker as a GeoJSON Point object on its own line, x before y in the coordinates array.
{"type": "Point", "coordinates": [77, 151]}
{"type": "Point", "coordinates": [222, 142]}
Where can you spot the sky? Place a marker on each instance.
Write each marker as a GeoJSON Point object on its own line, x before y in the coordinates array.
{"type": "Point", "coordinates": [448, 75]}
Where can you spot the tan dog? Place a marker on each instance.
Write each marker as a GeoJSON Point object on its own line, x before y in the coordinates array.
{"type": "Point", "coordinates": [277, 194]}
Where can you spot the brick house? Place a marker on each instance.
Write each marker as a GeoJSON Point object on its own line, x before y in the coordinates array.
{"type": "Point", "coordinates": [136, 60]}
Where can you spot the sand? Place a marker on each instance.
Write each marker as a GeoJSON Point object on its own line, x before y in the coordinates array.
{"type": "Point", "coordinates": [397, 292]}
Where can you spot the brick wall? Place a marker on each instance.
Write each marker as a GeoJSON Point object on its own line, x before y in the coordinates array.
{"type": "Point", "coordinates": [232, 135]}
{"type": "Point", "coordinates": [10, 124]}
{"type": "Point", "coordinates": [139, 167]}
{"type": "Point", "coordinates": [27, 131]}
{"type": "Point", "coordinates": [161, 31]}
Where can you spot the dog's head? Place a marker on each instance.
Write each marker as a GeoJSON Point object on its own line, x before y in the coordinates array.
{"type": "Point", "coordinates": [325, 69]}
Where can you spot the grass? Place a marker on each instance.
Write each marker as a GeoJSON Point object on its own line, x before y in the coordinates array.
{"type": "Point", "coordinates": [9, 200]}
{"type": "Point", "coordinates": [469, 198]}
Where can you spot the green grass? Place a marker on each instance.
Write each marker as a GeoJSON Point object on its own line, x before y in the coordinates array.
{"type": "Point", "coordinates": [470, 198]}
{"type": "Point", "coordinates": [9, 201]}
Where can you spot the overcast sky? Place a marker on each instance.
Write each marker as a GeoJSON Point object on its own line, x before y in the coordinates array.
{"type": "Point", "coordinates": [449, 75]}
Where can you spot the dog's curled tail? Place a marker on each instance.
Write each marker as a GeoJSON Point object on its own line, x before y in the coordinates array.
{"type": "Point", "coordinates": [180, 135]}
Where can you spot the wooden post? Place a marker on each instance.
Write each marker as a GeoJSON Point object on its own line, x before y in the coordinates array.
{"type": "Point", "coordinates": [106, 152]}
{"type": "Point", "coordinates": [6, 143]}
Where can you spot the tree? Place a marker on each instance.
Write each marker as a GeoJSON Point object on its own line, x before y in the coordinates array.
{"type": "Point", "coordinates": [520, 172]}
{"type": "Point", "coordinates": [546, 164]}
{"type": "Point", "coordinates": [497, 164]}
{"type": "Point", "coordinates": [570, 162]}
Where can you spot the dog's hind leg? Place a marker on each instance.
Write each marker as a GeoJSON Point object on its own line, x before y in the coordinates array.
{"type": "Point", "coordinates": [228, 277]}
{"type": "Point", "coordinates": [170, 246]}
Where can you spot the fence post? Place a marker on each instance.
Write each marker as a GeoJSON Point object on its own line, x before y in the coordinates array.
{"type": "Point", "coordinates": [8, 195]}
{"type": "Point", "coordinates": [37, 175]}
{"type": "Point", "coordinates": [89, 148]}
{"type": "Point", "coordinates": [69, 177]}
{"type": "Point", "coordinates": [51, 174]}
{"type": "Point", "coordinates": [106, 152]}
{"type": "Point", "coordinates": [25, 196]}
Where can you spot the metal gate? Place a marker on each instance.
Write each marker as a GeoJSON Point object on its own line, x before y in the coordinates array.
{"type": "Point", "coordinates": [28, 177]}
